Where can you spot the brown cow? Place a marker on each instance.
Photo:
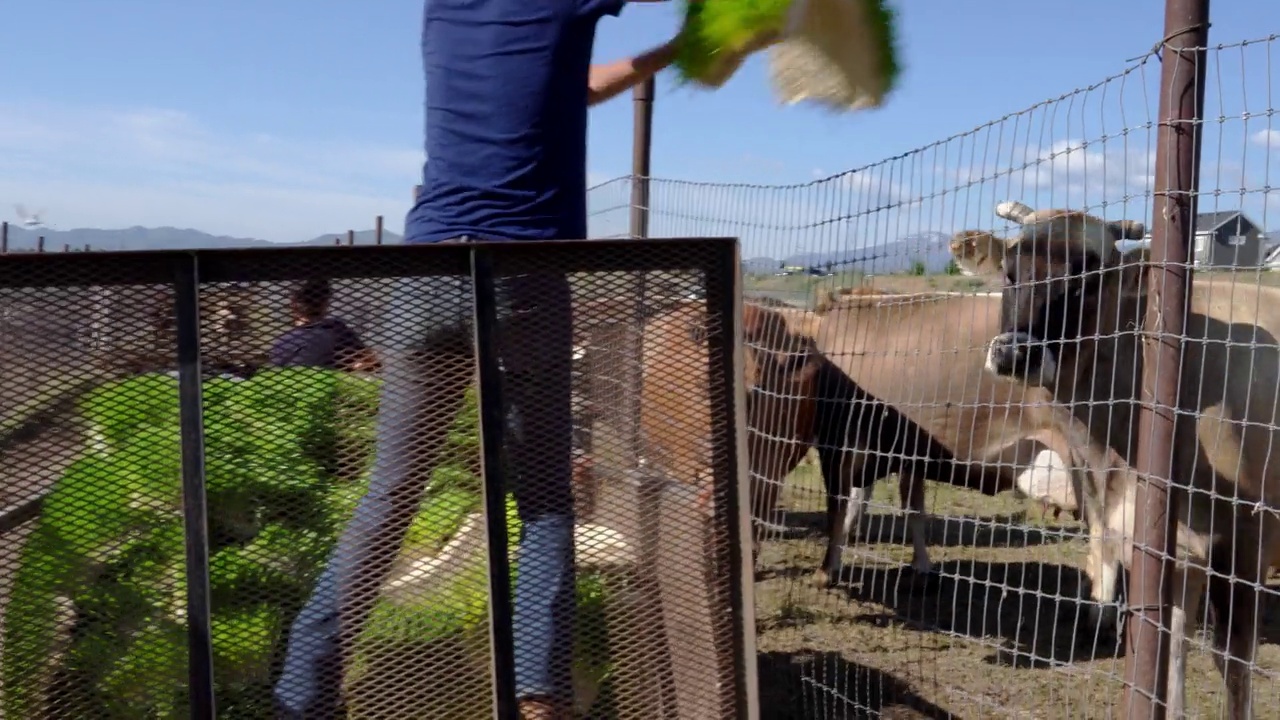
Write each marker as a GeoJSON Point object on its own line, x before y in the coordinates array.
{"type": "Point", "coordinates": [1070, 320]}
{"type": "Point", "coordinates": [924, 354]}
{"type": "Point", "coordinates": [795, 400]}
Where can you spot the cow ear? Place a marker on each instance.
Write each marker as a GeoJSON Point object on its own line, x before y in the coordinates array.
{"type": "Point", "coordinates": [1127, 229]}
{"type": "Point", "coordinates": [978, 252]}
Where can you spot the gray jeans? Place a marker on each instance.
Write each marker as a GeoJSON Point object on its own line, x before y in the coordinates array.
{"type": "Point", "coordinates": [428, 364]}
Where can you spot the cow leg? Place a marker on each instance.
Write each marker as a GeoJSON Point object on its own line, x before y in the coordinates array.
{"type": "Point", "coordinates": [844, 520]}
{"type": "Point", "coordinates": [1104, 614]}
{"type": "Point", "coordinates": [1107, 548]}
{"type": "Point", "coordinates": [1188, 586]}
{"type": "Point", "coordinates": [1235, 627]}
{"type": "Point", "coordinates": [847, 495]}
{"type": "Point", "coordinates": [1102, 566]}
{"type": "Point", "coordinates": [911, 493]}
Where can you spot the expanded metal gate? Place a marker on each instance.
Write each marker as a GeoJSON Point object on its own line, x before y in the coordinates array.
{"type": "Point", "coordinates": [248, 482]}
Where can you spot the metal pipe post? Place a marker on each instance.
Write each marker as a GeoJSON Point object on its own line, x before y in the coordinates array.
{"type": "Point", "coordinates": [641, 157]}
{"type": "Point", "coordinates": [195, 509]}
{"type": "Point", "coordinates": [493, 419]}
{"type": "Point", "coordinates": [1182, 57]}
{"type": "Point", "coordinates": [4, 237]}
{"type": "Point", "coordinates": [377, 230]}
{"type": "Point", "coordinates": [641, 154]}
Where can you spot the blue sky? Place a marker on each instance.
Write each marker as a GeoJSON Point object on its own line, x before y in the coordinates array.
{"type": "Point", "coordinates": [287, 119]}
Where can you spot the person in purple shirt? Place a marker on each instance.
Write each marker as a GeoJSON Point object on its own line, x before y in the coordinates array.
{"type": "Point", "coordinates": [508, 84]}
{"type": "Point", "coordinates": [316, 339]}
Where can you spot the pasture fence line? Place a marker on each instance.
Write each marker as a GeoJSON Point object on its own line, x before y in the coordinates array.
{"type": "Point", "coordinates": [1183, 142]}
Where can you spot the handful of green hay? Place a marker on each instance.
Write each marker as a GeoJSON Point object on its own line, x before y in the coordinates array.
{"type": "Point", "coordinates": [839, 53]}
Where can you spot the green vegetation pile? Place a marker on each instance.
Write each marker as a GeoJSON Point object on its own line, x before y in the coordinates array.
{"type": "Point", "coordinates": [96, 621]}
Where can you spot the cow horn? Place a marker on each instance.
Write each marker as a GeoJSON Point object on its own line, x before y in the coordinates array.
{"type": "Point", "coordinates": [1015, 211]}
{"type": "Point", "coordinates": [1129, 229]}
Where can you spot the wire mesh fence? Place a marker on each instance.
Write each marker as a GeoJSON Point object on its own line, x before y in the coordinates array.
{"type": "Point", "coordinates": [286, 511]}
{"type": "Point", "coordinates": [999, 591]}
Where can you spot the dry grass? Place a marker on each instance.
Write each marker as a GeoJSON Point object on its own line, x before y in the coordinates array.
{"type": "Point", "coordinates": [1001, 634]}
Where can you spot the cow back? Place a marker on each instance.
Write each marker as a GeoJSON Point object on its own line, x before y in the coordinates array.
{"type": "Point", "coordinates": [925, 354]}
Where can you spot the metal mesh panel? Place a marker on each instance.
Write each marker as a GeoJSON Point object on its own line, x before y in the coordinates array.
{"type": "Point", "coordinates": [367, 535]}
{"type": "Point", "coordinates": [93, 592]}
{"type": "Point", "coordinates": [350, 566]}
{"type": "Point", "coordinates": [651, 558]}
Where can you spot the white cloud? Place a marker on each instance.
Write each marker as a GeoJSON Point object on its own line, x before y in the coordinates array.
{"type": "Point", "coordinates": [1074, 170]}
{"type": "Point", "coordinates": [877, 190]}
{"type": "Point", "coordinates": [1064, 173]}
{"type": "Point", "coordinates": [1269, 139]}
{"type": "Point", "coordinates": [114, 167]}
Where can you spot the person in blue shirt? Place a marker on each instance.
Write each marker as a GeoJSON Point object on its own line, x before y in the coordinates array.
{"type": "Point", "coordinates": [508, 84]}
{"type": "Point", "coordinates": [318, 339]}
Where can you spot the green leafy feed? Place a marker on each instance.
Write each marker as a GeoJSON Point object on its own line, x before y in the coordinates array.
{"type": "Point", "coordinates": [842, 53]}
{"type": "Point", "coordinates": [95, 624]}
{"type": "Point", "coordinates": [715, 31]}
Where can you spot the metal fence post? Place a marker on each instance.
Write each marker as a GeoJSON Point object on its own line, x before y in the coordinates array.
{"type": "Point", "coordinates": [194, 504]}
{"type": "Point", "coordinates": [1182, 57]}
{"type": "Point", "coordinates": [4, 237]}
{"type": "Point", "coordinates": [641, 158]}
{"type": "Point", "coordinates": [641, 155]}
{"type": "Point", "coordinates": [377, 230]}
{"type": "Point", "coordinates": [492, 428]}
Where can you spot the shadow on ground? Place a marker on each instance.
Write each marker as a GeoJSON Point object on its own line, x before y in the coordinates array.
{"type": "Point", "coordinates": [824, 686]}
{"type": "Point", "coordinates": [1009, 530]}
{"type": "Point", "coordinates": [1031, 610]}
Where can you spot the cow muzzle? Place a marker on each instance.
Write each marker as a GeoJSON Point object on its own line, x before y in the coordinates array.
{"type": "Point", "coordinates": [1020, 356]}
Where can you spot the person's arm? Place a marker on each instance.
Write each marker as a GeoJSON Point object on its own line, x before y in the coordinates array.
{"type": "Point", "coordinates": [610, 79]}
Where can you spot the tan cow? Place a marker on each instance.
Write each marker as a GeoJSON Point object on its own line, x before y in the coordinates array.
{"type": "Point", "coordinates": [1071, 311]}
{"type": "Point", "coordinates": [796, 400]}
{"type": "Point", "coordinates": [925, 355]}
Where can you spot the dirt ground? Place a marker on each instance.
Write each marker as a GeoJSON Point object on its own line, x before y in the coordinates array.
{"type": "Point", "coordinates": [1001, 634]}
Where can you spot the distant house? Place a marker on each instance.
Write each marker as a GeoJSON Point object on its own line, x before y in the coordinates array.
{"type": "Point", "coordinates": [1226, 239]}
{"type": "Point", "coordinates": [1271, 255]}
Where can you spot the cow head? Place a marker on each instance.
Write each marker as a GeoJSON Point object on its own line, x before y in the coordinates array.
{"type": "Point", "coordinates": [1064, 281]}
{"type": "Point", "coordinates": [780, 344]}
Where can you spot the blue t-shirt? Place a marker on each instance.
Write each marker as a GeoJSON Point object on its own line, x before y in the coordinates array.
{"type": "Point", "coordinates": [506, 119]}
{"type": "Point", "coordinates": [326, 343]}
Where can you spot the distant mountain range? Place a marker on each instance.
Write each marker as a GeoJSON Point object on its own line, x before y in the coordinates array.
{"type": "Point", "coordinates": [162, 238]}
{"type": "Point", "coordinates": [930, 248]}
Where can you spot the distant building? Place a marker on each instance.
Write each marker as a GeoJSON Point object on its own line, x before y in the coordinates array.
{"type": "Point", "coordinates": [1227, 239]}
